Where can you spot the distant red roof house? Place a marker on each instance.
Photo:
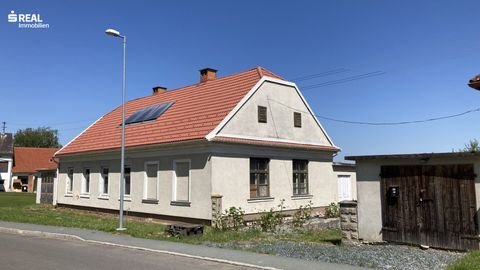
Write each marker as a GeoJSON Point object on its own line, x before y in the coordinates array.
{"type": "Point", "coordinates": [28, 160]}
{"type": "Point", "coordinates": [196, 111]}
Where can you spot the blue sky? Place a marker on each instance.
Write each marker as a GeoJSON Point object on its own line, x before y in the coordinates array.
{"type": "Point", "coordinates": [68, 75]}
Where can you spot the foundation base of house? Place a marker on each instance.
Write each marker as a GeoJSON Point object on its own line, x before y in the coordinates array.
{"type": "Point", "coordinates": [161, 219]}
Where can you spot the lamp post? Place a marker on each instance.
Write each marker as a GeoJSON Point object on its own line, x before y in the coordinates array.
{"type": "Point", "coordinates": [115, 33]}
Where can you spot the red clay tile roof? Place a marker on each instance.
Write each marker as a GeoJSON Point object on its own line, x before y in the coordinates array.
{"type": "Point", "coordinates": [276, 144]}
{"type": "Point", "coordinates": [30, 159]}
{"type": "Point", "coordinates": [197, 110]}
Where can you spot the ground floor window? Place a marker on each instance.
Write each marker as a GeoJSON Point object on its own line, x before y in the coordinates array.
{"type": "Point", "coordinates": [86, 181]}
{"type": "Point", "coordinates": [127, 180]}
{"type": "Point", "coordinates": [182, 181]}
{"type": "Point", "coordinates": [151, 181]}
{"type": "Point", "coordinates": [69, 182]}
{"type": "Point", "coordinates": [300, 177]}
{"type": "Point", "coordinates": [104, 181]}
{"type": "Point", "coordinates": [259, 182]}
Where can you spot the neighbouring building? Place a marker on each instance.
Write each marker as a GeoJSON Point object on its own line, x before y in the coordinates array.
{"type": "Point", "coordinates": [6, 161]}
{"type": "Point", "coordinates": [26, 165]}
{"type": "Point", "coordinates": [430, 199]}
{"type": "Point", "coordinates": [247, 140]}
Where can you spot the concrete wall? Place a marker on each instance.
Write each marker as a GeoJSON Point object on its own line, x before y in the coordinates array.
{"type": "Point", "coordinates": [281, 101]}
{"type": "Point", "coordinates": [231, 179]}
{"type": "Point", "coordinates": [368, 189]}
{"type": "Point", "coordinates": [200, 202]}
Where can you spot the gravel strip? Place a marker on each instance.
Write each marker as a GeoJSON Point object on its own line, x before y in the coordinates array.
{"type": "Point", "coordinates": [390, 257]}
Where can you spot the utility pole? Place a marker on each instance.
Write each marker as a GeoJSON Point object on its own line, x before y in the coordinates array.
{"type": "Point", "coordinates": [4, 127]}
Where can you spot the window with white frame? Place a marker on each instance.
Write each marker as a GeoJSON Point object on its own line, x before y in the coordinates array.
{"type": "Point", "coordinates": [300, 177]}
{"type": "Point", "coordinates": [69, 182]}
{"type": "Point", "coordinates": [150, 186]}
{"type": "Point", "coordinates": [103, 185]}
{"type": "Point", "coordinates": [182, 181]}
{"type": "Point", "coordinates": [86, 181]}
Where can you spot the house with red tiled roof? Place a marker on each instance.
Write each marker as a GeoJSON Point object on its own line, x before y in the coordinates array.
{"type": "Point", "coordinates": [247, 140]}
{"type": "Point", "coordinates": [27, 164]}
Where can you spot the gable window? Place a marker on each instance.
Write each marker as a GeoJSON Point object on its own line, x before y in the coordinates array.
{"type": "Point", "coordinates": [182, 182]}
{"type": "Point", "coordinates": [69, 182]}
{"type": "Point", "coordinates": [150, 184]}
{"type": "Point", "coordinates": [259, 182]}
{"type": "Point", "coordinates": [297, 119]}
{"type": "Point", "coordinates": [127, 180]}
{"type": "Point", "coordinates": [104, 181]}
{"type": "Point", "coordinates": [262, 114]}
{"type": "Point", "coordinates": [300, 177]}
{"type": "Point", "coordinates": [86, 181]}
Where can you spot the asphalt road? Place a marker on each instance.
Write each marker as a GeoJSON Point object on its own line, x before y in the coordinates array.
{"type": "Point", "coordinates": [19, 252]}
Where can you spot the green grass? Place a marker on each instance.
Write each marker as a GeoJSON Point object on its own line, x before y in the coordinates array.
{"type": "Point", "coordinates": [471, 261]}
{"type": "Point", "coordinates": [13, 199]}
{"type": "Point", "coordinates": [21, 207]}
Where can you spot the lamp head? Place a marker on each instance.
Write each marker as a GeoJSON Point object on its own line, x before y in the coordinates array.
{"type": "Point", "coordinates": [475, 82]}
{"type": "Point", "coordinates": [112, 32]}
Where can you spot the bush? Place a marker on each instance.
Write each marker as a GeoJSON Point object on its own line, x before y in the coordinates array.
{"type": "Point", "coordinates": [301, 216]}
{"type": "Point", "coordinates": [269, 221]}
{"type": "Point", "coordinates": [332, 210]}
{"type": "Point", "coordinates": [232, 218]}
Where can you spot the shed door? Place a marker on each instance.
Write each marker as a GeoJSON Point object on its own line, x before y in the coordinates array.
{"type": "Point", "coordinates": [344, 188]}
{"type": "Point", "coordinates": [430, 205]}
{"type": "Point", "coordinates": [47, 188]}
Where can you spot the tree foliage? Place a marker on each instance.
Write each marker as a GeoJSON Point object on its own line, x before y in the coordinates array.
{"type": "Point", "coordinates": [39, 137]}
{"type": "Point", "coordinates": [472, 146]}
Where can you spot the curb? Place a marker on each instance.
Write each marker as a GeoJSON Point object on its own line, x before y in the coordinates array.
{"type": "Point", "coordinates": [62, 236]}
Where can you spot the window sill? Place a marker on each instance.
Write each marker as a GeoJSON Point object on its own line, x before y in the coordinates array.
{"type": "Point", "coordinates": [104, 197]}
{"type": "Point", "coordinates": [260, 199]}
{"type": "Point", "coordinates": [126, 198]}
{"type": "Point", "coordinates": [150, 201]}
{"type": "Point", "coordinates": [85, 196]}
{"type": "Point", "coordinates": [302, 197]}
{"type": "Point", "coordinates": [180, 203]}
{"type": "Point", "coordinates": [68, 194]}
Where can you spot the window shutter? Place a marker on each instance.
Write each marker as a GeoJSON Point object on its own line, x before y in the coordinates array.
{"type": "Point", "coordinates": [262, 114]}
{"type": "Point", "coordinates": [297, 119]}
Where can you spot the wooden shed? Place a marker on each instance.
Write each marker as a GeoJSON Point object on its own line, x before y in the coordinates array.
{"type": "Point", "coordinates": [425, 199]}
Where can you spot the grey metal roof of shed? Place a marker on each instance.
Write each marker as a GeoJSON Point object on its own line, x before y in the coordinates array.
{"type": "Point", "coordinates": [414, 156]}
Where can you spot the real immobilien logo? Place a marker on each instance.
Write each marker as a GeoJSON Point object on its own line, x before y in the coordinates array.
{"type": "Point", "coordinates": [27, 20]}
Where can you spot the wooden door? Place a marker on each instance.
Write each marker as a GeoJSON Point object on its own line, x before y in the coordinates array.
{"type": "Point", "coordinates": [430, 205]}
{"type": "Point", "coordinates": [46, 195]}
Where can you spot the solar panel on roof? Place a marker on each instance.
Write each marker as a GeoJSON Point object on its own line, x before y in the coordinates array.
{"type": "Point", "coordinates": [148, 113]}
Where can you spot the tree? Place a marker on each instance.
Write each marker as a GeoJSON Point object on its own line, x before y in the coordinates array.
{"type": "Point", "coordinates": [472, 146]}
{"type": "Point", "coordinates": [39, 137]}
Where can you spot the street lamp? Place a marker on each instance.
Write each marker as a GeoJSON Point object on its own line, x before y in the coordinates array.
{"type": "Point", "coordinates": [115, 33]}
{"type": "Point", "coordinates": [475, 82]}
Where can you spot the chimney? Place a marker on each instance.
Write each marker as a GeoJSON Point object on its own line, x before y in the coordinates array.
{"type": "Point", "coordinates": [207, 74]}
{"type": "Point", "coordinates": [158, 90]}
